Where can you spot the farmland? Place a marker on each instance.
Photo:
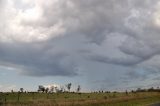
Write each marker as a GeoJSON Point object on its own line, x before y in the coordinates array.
{"type": "Point", "coordinates": [79, 99]}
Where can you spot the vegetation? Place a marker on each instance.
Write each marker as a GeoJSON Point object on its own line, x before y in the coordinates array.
{"type": "Point", "coordinates": [79, 99]}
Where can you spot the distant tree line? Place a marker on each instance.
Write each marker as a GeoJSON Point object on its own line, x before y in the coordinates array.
{"type": "Point", "coordinates": [152, 89]}
{"type": "Point", "coordinates": [67, 88]}
{"type": "Point", "coordinates": [57, 89]}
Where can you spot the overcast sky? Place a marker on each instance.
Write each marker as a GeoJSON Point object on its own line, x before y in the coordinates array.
{"type": "Point", "coordinates": [99, 44]}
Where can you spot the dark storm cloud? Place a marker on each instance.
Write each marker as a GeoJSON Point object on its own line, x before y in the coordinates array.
{"type": "Point", "coordinates": [121, 61]}
{"type": "Point", "coordinates": [35, 60]}
{"type": "Point", "coordinates": [39, 59]}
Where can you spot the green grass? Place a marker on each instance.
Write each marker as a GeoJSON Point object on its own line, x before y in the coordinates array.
{"type": "Point", "coordinates": [83, 99]}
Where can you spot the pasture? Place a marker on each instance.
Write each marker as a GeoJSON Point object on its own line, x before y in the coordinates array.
{"type": "Point", "coordinates": [79, 99]}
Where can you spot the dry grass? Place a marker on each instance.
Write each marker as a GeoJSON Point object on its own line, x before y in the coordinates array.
{"type": "Point", "coordinates": [90, 99]}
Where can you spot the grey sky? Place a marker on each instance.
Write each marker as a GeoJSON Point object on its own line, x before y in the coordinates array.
{"type": "Point", "coordinates": [114, 44]}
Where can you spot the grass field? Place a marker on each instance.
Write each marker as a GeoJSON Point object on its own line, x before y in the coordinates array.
{"type": "Point", "coordinates": [75, 99]}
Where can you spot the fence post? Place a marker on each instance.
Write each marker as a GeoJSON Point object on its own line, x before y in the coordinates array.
{"type": "Point", "coordinates": [47, 95]}
{"type": "Point", "coordinates": [5, 99]}
{"type": "Point", "coordinates": [18, 96]}
{"type": "Point", "coordinates": [33, 96]}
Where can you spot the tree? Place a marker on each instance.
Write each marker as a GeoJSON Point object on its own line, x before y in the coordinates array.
{"type": "Point", "coordinates": [62, 89]}
{"type": "Point", "coordinates": [56, 89]}
{"type": "Point", "coordinates": [78, 88]}
{"type": "Point", "coordinates": [46, 90]}
{"type": "Point", "coordinates": [126, 92]}
{"type": "Point", "coordinates": [12, 91]}
{"type": "Point", "coordinates": [41, 88]}
{"type": "Point", "coordinates": [52, 89]}
{"type": "Point", "coordinates": [21, 89]}
{"type": "Point", "coordinates": [69, 86]}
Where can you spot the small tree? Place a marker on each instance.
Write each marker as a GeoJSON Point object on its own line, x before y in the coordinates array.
{"type": "Point", "coordinates": [126, 92]}
{"type": "Point", "coordinates": [12, 91]}
{"type": "Point", "coordinates": [56, 89]}
{"type": "Point", "coordinates": [69, 86]}
{"type": "Point", "coordinates": [21, 89]}
{"type": "Point", "coordinates": [52, 89]}
{"type": "Point", "coordinates": [78, 88]}
{"type": "Point", "coordinates": [62, 89]}
{"type": "Point", "coordinates": [46, 90]}
{"type": "Point", "coordinates": [41, 88]}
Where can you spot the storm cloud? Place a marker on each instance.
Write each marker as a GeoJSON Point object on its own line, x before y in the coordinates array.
{"type": "Point", "coordinates": [70, 37]}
